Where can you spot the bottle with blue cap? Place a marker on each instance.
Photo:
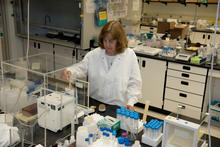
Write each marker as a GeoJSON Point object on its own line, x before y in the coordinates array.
{"type": "Point", "coordinates": [91, 138]}
{"type": "Point", "coordinates": [120, 142]}
{"type": "Point", "coordinates": [122, 122]}
{"type": "Point", "coordinates": [136, 118]}
{"type": "Point", "coordinates": [86, 141]}
{"type": "Point", "coordinates": [127, 144]}
{"type": "Point", "coordinates": [118, 114]}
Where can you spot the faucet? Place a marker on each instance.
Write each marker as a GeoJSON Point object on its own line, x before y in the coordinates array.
{"type": "Point", "coordinates": [47, 17]}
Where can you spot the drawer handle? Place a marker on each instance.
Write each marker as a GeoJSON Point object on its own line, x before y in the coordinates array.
{"type": "Point", "coordinates": [143, 63]}
{"type": "Point", "coordinates": [181, 107]}
{"type": "Point", "coordinates": [184, 83]}
{"type": "Point", "coordinates": [209, 37]}
{"type": "Point", "coordinates": [35, 45]}
{"type": "Point", "coordinates": [185, 75]}
{"type": "Point", "coordinates": [183, 95]}
{"type": "Point", "coordinates": [186, 67]}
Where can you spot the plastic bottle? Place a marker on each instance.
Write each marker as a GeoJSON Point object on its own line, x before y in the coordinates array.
{"type": "Point", "coordinates": [82, 133]}
{"type": "Point", "coordinates": [91, 138]}
{"type": "Point", "coordinates": [127, 144]}
{"type": "Point", "coordinates": [127, 121]}
{"type": "Point", "coordinates": [132, 122]}
{"type": "Point", "coordinates": [136, 143]}
{"type": "Point", "coordinates": [208, 52]}
{"type": "Point", "coordinates": [122, 119]}
{"type": "Point", "coordinates": [114, 138]}
{"type": "Point", "coordinates": [66, 143]}
{"type": "Point", "coordinates": [118, 113]}
{"type": "Point", "coordinates": [87, 142]}
{"type": "Point", "coordinates": [136, 118]}
{"type": "Point", "coordinates": [72, 139]}
{"type": "Point", "coordinates": [120, 142]}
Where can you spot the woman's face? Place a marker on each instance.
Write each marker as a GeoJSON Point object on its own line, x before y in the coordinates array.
{"type": "Point", "coordinates": [110, 45]}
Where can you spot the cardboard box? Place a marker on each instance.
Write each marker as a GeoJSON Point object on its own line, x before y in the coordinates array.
{"type": "Point", "coordinates": [165, 26]}
{"type": "Point", "coordinates": [178, 31]}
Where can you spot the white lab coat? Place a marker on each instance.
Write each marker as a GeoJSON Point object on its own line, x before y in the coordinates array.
{"type": "Point", "coordinates": [120, 85]}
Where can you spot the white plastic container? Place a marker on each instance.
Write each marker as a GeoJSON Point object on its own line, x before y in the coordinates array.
{"type": "Point", "coordinates": [82, 133]}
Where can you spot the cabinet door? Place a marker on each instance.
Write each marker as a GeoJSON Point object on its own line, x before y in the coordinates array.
{"type": "Point", "coordinates": [37, 47]}
{"type": "Point", "coordinates": [198, 37]}
{"type": "Point", "coordinates": [209, 38]}
{"type": "Point", "coordinates": [153, 76]}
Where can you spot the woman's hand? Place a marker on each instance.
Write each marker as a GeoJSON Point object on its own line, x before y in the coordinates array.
{"type": "Point", "coordinates": [66, 74]}
{"type": "Point", "coordinates": [129, 107]}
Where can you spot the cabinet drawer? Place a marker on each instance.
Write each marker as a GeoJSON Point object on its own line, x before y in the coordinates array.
{"type": "Point", "coordinates": [186, 75]}
{"type": "Point", "coordinates": [187, 68]}
{"type": "Point", "coordinates": [185, 85]}
{"type": "Point", "coordinates": [189, 111]}
{"type": "Point", "coordinates": [184, 97]}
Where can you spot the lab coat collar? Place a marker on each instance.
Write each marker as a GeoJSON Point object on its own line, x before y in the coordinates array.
{"type": "Point", "coordinates": [117, 58]}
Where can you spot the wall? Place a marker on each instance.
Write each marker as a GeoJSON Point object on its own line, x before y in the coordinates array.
{"type": "Point", "coordinates": [91, 30]}
{"type": "Point", "coordinates": [177, 10]}
{"type": "Point", "coordinates": [14, 42]}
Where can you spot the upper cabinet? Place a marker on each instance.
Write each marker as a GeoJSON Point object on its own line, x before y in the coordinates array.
{"type": "Point", "coordinates": [50, 19]}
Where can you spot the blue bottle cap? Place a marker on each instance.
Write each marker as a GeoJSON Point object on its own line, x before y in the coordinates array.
{"type": "Point", "coordinates": [136, 114]}
{"type": "Point", "coordinates": [122, 112]}
{"type": "Point", "coordinates": [126, 140]}
{"type": "Point", "coordinates": [87, 139]}
{"type": "Point", "coordinates": [136, 117]}
{"type": "Point", "coordinates": [102, 129]}
{"type": "Point", "coordinates": [118, 111]}
{"type": "Point", "coordinates": [127, 143]}
{"type": "Point", "coordinates": [90, 135]}
{"type": "Point", "coordinates": [107, 135]}
{"type": "Point", "coordinates": [114, 133]}
{"type": "Point", "coordinates": [127, 114]}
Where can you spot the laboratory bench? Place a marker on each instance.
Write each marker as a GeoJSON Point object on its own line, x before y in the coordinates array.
{"type": "Point", "coordinates": [171, 84]}
{"type": "Point", "coordinates": [53, 138]}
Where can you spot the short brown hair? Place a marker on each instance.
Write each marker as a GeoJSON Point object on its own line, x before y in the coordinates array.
{"type": "Point", "coordinates": [116, 30]}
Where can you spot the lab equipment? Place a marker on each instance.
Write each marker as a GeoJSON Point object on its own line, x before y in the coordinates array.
{"type": "Point", "coordinates": [129, 120]}
{"type": "Point", "coordinates": [181, 133]}
{"type": "Point", "coordinates": [81, 135]}
{"type": "Point", "coordinates": [183, 56]}
{"type": "Point", "coordinates": [147, 50]}
{"type": "Point", "coordinates": [152, 133]}
{"type": "Point", "coordinates": [60, 110]}
{"type": "Point", "coordinates": [109, 122]}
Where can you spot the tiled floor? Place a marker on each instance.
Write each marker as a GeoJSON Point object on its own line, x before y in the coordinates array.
{"type": "Point", "coordinates": [215, 131]}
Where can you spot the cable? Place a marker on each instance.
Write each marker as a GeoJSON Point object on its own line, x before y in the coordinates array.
{"type": "Point", "coordinates": [28, 27]}
{"type": "Point", "coordinates": [210, 81]}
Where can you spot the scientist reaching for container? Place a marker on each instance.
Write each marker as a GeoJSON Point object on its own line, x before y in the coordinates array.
{"type": "Point", "coordinates": [112, 69]}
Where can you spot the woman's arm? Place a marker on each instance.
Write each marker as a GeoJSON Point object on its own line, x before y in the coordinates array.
{"type": "Point", "coordinates": [134, 83]}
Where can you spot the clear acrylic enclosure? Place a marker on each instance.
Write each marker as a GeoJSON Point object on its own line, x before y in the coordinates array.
{"type": "Point", "coordinates": [41, 103]}
{"type": "Point", "coordinates": [184, 132]}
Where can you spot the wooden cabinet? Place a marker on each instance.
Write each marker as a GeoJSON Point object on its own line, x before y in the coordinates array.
{"type": "Point", "coordinates": [153, 77]}
{"type": "Point", "coordinates": [185, 89]}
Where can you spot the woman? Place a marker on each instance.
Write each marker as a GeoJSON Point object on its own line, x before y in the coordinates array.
{"type": "Point", "coordinates": [112, 69]}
